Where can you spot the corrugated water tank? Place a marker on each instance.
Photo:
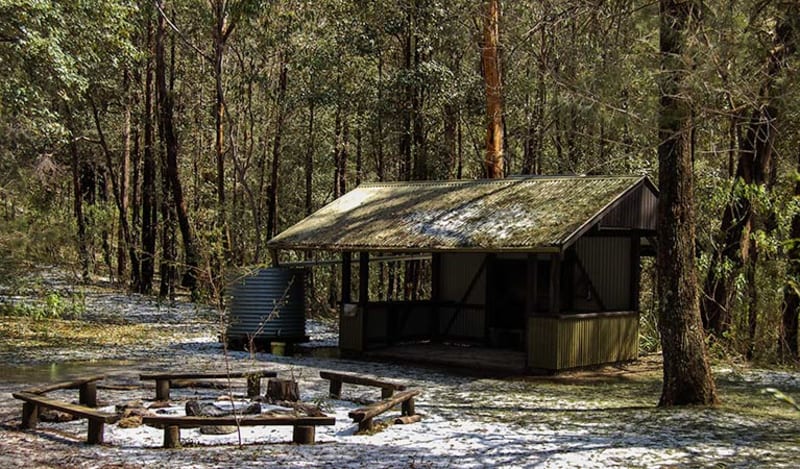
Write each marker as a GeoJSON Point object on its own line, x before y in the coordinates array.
{"type": "Point", "coordinates": [268, 306]}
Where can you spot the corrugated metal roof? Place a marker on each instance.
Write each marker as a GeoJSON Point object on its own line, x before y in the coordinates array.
{"type": "Point", "coordinates": [510, 214]}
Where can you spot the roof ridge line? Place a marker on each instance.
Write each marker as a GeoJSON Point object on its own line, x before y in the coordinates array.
{"type": "Point", "coordinates": [506, 180]}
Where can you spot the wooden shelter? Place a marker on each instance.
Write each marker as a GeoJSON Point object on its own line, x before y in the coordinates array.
{"type": "Point", "coordinates": [545, 267]}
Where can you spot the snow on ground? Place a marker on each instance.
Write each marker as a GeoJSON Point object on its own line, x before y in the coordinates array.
{"type": "Point", "coordinates": [577, 421]}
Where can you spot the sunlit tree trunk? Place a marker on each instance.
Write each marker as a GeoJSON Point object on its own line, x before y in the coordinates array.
{"type": "Point", "coordinates": [124, 238]}
{"type": "Point", "coordinates": [494, 108]}
{"type": "Point", "coordinates": [687, 374]}
{"type": "Point", "coordinates": [380, 163]}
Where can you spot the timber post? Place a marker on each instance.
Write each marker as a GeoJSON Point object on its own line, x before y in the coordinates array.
{"type": "Point", "coordinates": [436, 295]}
{"type": "Point", "coordinates": [303, 434]}
{"type": "Point", "coordinates": [347, 276]}
{"type": "Point", "coordinates": [172, 436]}
{"type": "Point", "coordinates": [636, 272]}
{"type": "Point", "coordinates": [30, 415]}
{"type": "Point", "coordinates": [336, 389]}
{"type": "Point", "coordinates": [363, 278]}
{"type": "Point", "coordinates": [95, 434]}
{"type": "Point", "coordinates": [162, 389]}
{"type": "Point", "coordinates": [408, 407]}
{"type": "Point", "coordinates": [363, 294]}
{"type": "Point", "coordinates": [87, 394]}
{"type": "Point", "coordinates": [275, 257]}
{"type": "Point", "coordinates": [555, 283]}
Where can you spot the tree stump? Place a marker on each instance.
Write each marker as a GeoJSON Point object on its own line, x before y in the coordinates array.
{"type": "Point", "coordinates": [282, 390]}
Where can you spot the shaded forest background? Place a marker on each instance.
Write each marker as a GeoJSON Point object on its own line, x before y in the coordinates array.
{"type": "Point", "coordinates": [161, 143]}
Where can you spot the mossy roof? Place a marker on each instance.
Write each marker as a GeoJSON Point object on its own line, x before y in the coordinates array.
{"type": "Point", "coordinates": [513, 214]}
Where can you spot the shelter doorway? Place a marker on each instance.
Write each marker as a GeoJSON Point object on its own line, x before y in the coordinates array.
{"type": "Point", "coordinates": [505, 303]}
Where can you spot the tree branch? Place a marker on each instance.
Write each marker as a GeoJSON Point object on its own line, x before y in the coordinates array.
{"type": "Point", "coordinates": [180, 34]}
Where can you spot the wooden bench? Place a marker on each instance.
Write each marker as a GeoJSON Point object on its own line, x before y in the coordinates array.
{"type": "Point", "coordinates": [163, 380]}
{"type": "Point", "coordinates": [336, 379]}
{"type": "Point", "coordinates": [32, 403]}
{"type": "Point", "coordinates": [86, 385]}
{"type": "Point", "coordinates": [364, 415]}
{"type": "Point", "coordinates": [304, 431]}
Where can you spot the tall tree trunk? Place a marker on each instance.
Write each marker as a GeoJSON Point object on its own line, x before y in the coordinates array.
{"type": "Point", "coordinates": [149, 202]}
{"type": "Point", "coordinates": [272, 209]}
{"type": "Point", "coordinates": [420, 169]}
{"type": "Point", "coordinates": [752, 300]}
{"type": "Point", "coordinates": [450, 121]}
{"type": "Point", "coordinates": [787, 340]}
{"type": "Point", "coordinates": [88, 185]}
{"type": "Point", "coordinates": [105, 234]}
{"type": "Point", "coordinates": [124, 239]}
{"type": "Point", "coordinates": [309, 166]}
{"type": "Point", "coordinates": [222, 30]}
{"type": "Point", "coordinates": [135, 197]}
{"type": "Point", "coordinates": [687, 374]}
{"type": "Point", "coordinates": [494, 108]}
{"type": "Point", "coordinates": [116, 187]}
{"type": "Point", "coordinates": [753, 168]}
{"type": "Point", "coordinates": [168, 266]}
{"type": "Point", "coordinates": [405, 169]}
{"type": "Point", "coordinates": [381, 161]}
{"type": "Point", "coordinates": [340, 150]}
{"type": "Point", "coordinates": [77, 192]}
{"type": "Point", "coordinates": [170, 141]}
{"type": "Point", "coordinates": [359, 163]}
{"type": "Point", "coordinates": [460, 152]}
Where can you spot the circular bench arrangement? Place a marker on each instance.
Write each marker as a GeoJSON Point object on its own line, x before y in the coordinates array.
{"type": "Point", "coordinates": [304, 426]}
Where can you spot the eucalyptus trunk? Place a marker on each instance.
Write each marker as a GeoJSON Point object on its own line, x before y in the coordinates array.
{"type": "Point", "coordinates": [149, 202]}
{"type": "Point", "coordinates": [687, 374]}
{"type": "Point", "coordinates": [787, 341]}
{"type": "Point", "coordinates": [170, 142]}
{"type": "Point", "coordinates": [494, 108]}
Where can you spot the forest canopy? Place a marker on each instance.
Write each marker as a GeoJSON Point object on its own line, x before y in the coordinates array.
{"type": "Point", "coordinates": [162, 143]}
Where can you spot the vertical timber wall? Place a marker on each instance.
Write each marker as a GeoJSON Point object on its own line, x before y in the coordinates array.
{"type": "Point", "coordinates": [570, 341]}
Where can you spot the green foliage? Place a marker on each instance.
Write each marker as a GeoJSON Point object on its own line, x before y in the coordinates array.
{"type": "Point", "coordinates": [51, 306]}
{"type": "Point", "coordinates": [580, 95]}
